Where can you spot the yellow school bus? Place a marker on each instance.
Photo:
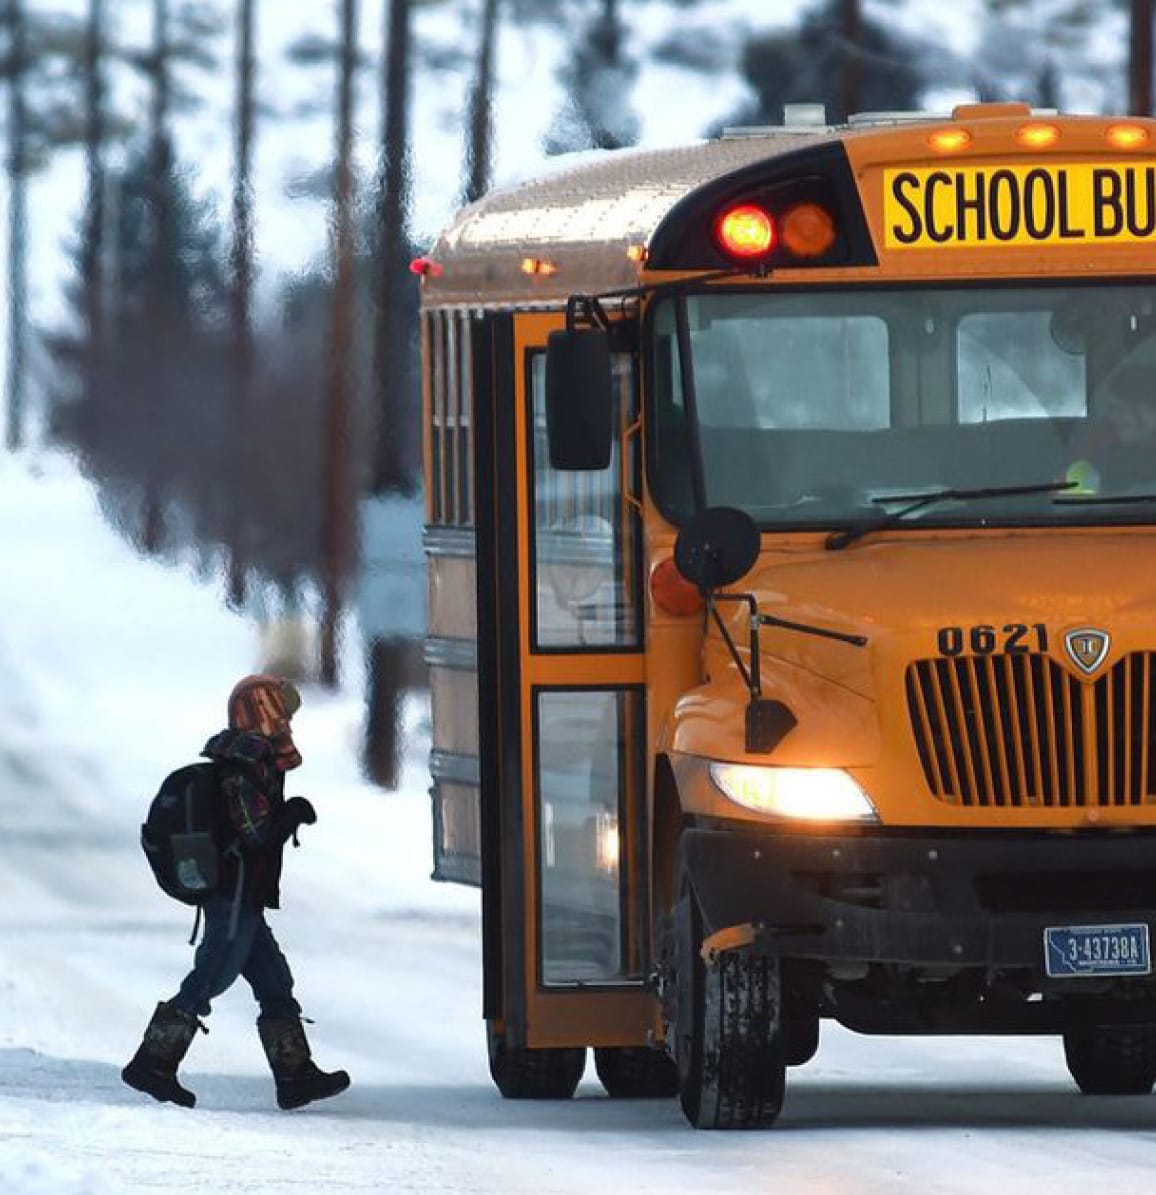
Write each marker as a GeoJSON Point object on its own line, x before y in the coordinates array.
{"type": "Point", "coordinates": [792, 599]}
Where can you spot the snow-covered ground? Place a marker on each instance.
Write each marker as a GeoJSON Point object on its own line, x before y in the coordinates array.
{"type": "Point", "coordinates": [113, 670]}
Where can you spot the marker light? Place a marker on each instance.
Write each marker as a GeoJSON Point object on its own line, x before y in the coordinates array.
{"type": "Point", "coordinates": [949, 141]}
{"type": "Point", "coordinates": [1127, 136]}
{"type": "Point", "coordinates": [425, 267]}
{"type": "Point", "coordinates": [672, 592]}
{"type": "Point", "coordinates": [538, 265]}
{"type": "Point", "coordinates": [808, 230]}
{"type": "Point", "coordinates": [806, 794]}
{"type": "Point", "coordinates": [637, 254]}
{"type": "Point", "coordinates": [746, 231]}
{"type": "Point", "coordinates": [1037, 136]}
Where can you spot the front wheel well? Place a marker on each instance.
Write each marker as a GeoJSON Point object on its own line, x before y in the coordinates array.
{"type": "Point", "coordinates": [668, 824]}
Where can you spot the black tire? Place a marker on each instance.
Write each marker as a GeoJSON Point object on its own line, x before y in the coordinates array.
{"type": "Point", "coordinates": [635, 1073]}
{"type": "Point", "coordinates": [521, 1073]}
{"type": "Point", "coordinates": [1119, 1061]}
{"type": "Point", "coordinates": [728, 1038]}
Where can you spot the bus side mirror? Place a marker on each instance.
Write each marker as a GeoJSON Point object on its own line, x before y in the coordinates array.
{"type": "Point", "coordinates": [717, 547]}
{"type": "Point", "coordinates": [579, 400]}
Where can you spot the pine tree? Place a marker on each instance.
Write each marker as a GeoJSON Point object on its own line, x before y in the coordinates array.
{"type": "Point", "coordinates": [40, 120]}
{"type": "Point", "coordinates": [1038, 51]}
{"type": "Point", "coordinates": [182, 37]}
{"type": "Point", "coordinates": [598, 78]}
{"type": "Point", "coordinates": [107, 407]}
{"type": "Point", "coordinates": [836, 56]}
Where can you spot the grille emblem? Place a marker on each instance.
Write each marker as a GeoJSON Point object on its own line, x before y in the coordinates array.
{"type": "Point", "coordinates": [1087, 648]}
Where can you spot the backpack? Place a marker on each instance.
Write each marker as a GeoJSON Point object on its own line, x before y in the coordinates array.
{"type": "Point", "coordinates": [181, 834]}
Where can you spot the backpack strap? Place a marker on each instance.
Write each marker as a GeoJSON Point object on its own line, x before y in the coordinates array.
{"type": "Point", "coordinates": [196, 927]}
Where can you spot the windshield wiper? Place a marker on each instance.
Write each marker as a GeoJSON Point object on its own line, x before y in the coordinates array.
{"type": "Point", "coordinates": [1103, 499]}
{"type": "Point", "coordinates": [916, 502]}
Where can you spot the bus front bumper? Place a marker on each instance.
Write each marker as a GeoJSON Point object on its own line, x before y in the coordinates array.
{"type": "Point", "coordinates": [981, 899]}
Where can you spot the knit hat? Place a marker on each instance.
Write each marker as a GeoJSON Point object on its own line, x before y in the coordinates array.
{"type": "Point", "coordinates": [265, 705]}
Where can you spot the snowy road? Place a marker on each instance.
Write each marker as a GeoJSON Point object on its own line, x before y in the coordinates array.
{"type": "Point", "coordinates": [112, 671]}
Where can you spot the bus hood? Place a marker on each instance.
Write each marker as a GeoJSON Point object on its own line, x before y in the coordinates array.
{"type": "Point", "coordinates": [917, 598]}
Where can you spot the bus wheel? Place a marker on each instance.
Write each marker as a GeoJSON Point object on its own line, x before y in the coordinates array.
{"type": "Point", "coordinates": [521, 1073]}
{"type": "Point", "coordinates": [635, 1072]}
{"type": "Point", "coordinates": [1119, 1061]}
{"type": "Point", "coordinates": [728, 1036]}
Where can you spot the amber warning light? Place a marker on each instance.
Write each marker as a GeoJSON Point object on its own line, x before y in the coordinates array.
{"type": "Point", "coordinates": [746, 232]}
{"type": "Point", "coordinates": [808, 230]}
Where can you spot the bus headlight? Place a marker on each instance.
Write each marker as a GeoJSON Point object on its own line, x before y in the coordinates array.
{"type": "Point", "coordinates": [804, 794]}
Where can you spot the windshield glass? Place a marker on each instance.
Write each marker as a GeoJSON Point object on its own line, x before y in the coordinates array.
{"type": "Point", "coordinates": [814, 408]}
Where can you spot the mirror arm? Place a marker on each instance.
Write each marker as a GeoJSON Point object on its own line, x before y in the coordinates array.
{"type": "Point", "coordinates": [752, 679]}
{"type": "Point", "coordinates": [769, 620]}
{"type": "Point", "coordinates": [586, 310]}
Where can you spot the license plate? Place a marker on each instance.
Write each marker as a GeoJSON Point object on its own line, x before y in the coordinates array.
{"type": "Point", "coordinates": [1097, 950]}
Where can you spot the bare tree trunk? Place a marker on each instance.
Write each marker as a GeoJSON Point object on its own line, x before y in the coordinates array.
{"type": "Point", "coordinates": [394, 333]}
{"type": "Point", "coordinates": [480, 128]}
{"type": "Point", "coordinates": [238, 486]}
{"type": "Point", "coordinates": [395, 456]}
{"type": "Point", "coordinates": [162, 252]}
{"type": "Point", "coordinates": [17, 224]}
{"type": "Point", "coordinates": [338, 515]}
{"type": "Point", "coordinates": [92, 250]}
{"type": "Point", "coordinates": [852, 31]}
{"type": "Point", "coordinates": [1140, 59]}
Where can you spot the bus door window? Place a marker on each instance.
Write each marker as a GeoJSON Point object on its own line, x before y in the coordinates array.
{"type": "Point", "coordinates": [587, 780]}
{"type": "Point", "coordinates": [585, 540]}
{"type": "Point", "coordinates": [588, 735]}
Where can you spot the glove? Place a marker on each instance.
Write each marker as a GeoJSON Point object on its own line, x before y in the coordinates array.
{"type": "Point", "coordinates": [296, 812]}
{"type": "Point", "coordinates": [299, 811]}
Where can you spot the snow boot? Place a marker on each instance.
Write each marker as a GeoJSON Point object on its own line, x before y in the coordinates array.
{"type": "Point", "coordinates": [299, 1080]}
{"type": "Point", "coordinates": [153, 1068]}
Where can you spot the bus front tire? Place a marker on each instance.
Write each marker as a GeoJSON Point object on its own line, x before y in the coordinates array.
{"type": "Point", "coordinates": [728, 1033]}
{"type": "Point", "coordinates": [1117, 1061]}
{"type": "Point", "coordinates": [521, 1073]}
{"type": "Point", "coordinates": [635, 1072]}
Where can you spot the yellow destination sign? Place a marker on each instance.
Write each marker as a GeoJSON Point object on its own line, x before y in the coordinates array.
{"type": "Point", "coordinates": [989, 206]}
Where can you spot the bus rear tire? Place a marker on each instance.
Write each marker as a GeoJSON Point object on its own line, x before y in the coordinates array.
{"type": "Point", "coordinates": [1117, 1061]}
{"type": "Point", "coordinates": [728, 1036]}
{"type": "Point", "coordinates": [521, 1073]}
{"type": "Point", "coordinates": [635, 1072]}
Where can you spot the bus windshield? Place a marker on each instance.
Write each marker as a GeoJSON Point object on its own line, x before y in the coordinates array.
{"type": "Point", "coordinates": [815, 408]}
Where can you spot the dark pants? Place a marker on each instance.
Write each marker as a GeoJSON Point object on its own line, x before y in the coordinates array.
{"type": "Point", "coordinates": [252, 952]}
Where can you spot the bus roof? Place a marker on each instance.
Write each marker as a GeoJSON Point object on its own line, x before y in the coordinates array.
{"type": "Point", "coordinates": [578, 222]}
{"type": "Point", "coordinates": [1054, 189]}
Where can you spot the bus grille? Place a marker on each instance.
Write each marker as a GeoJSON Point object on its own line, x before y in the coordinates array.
{"type": "Point", "coordinates": [1019, 731]}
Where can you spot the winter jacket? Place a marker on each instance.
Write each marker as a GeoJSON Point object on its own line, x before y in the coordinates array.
{"type": "Point", "coordinates": [252, 795]}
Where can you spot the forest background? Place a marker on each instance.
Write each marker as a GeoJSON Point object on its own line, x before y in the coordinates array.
{"type": "Point", "coordinates": [211, 207]}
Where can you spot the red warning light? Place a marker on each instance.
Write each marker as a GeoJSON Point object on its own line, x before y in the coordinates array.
{"type": "Point", "coordinates": [746, 232]}
{"type": "Point", "coordinates": [425, 267]}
